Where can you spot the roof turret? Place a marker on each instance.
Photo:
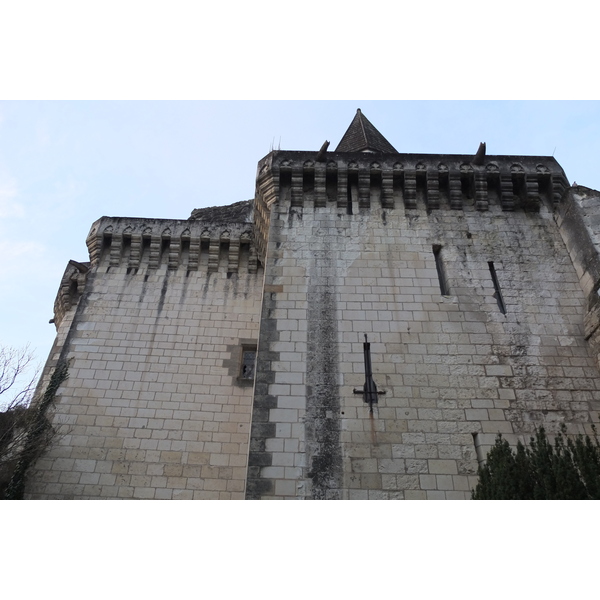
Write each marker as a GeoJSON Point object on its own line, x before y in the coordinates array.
{"type": "Point", "coordinates": [362, 136]}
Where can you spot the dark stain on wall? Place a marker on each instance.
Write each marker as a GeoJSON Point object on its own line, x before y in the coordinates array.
{"type": "Point", "coordinates": [322, 426]}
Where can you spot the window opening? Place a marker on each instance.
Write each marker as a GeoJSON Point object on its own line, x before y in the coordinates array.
{"type": "Point", "coordinates": [248, 365]}
{"type": "Point", "coordinates": [439, 265]}
{"type": "Point", "coordinates": [498, 292]}
{"type": "Point", "coordinates": [352, 183]}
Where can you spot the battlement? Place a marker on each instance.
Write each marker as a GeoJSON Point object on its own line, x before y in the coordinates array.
{"type": "Point", "coordinates": [408, 180]}
{"type": "Point", "coordinates": [364, 180]}
{"type": "Point", "coordinates": [219, 244]}
{"type": "Point", "coordinates": [71, 288]}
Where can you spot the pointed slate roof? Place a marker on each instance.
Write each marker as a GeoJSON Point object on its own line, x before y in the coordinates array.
{"type": "Point", "coordinates": [362, 136]}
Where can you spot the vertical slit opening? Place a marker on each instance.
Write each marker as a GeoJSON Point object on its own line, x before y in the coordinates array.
{"type": "Point", "coordinates": [441, 271]}
{"type": "Point", "coordinates": [126, 248]}
{"type": "Point", "coordinates": [352, 185]}
{"type": "Point", "coordinates": [204, 250]}
{"type": "Point", "coordinates": [545, 187]}
{"type": "Point", "coordinates": [308, 181]}
{"type": "Point", "coordinates": [331, 183]}
{"type": "Point", "coordinates": [165, 248]}
{"type": "Point", "coordinates": [185, 251]}
{"type": "Point", "coordinates": [519, 186]}
{"type": "Point", "coordinates": [106, 244]}
{"type": "Point", "coordinates": [285, 182]}
{"type": "Point", "coordinates": [498, 292]}
{"type": "Point", "coordinates": [244, 258]}
{"type": "Point", "coordinates": [145, 249]}
{"type": "Point", "coordinates": [375, 187]}
{"type": "Point", "coordinates": [421, 181]}
{"type": "Point", "coordinates": [493, 187]}
{"type": "Point", "coordinates": [444, 179]}
{"type": "Point", "coordinates": [224, 254]}
{"type": "Point", "coordinates": [398, 186]}
{"type": "Point", "coordinates": [467, 186]}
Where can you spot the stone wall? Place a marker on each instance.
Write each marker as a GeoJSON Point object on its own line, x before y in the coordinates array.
{"type": "Point", "coordinates": [475, 283]}
{"type": "Point", "coordinates": [501, 351]}
{"type": "Point", "coordinates": [155, 405]}
{"type": "Point", "coordinates": [578, 218]}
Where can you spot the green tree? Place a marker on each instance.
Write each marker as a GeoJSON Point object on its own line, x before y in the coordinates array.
{"type": "Point", "coordinates": [569, 469]}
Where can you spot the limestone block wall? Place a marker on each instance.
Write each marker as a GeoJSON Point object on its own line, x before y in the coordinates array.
{"type": "Point", "coordinates": [154, 406]}
{"type": "Point", "coordinates": [500, 350]}
{"type": "Point", "coordinates": [578, 219]}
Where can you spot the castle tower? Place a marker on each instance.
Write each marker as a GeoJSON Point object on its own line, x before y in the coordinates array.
{"type": "Point", "coordinates": [363, 328]}
{"type": "Point", "coordinates": [454, 269]}
{"type": "Point", "coordinates": [160, 335]}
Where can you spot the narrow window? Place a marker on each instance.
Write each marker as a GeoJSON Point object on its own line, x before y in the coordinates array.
{"type": "Point", "coordinates": [349, 200]}
{"type": "Point", "coordinates": [351, 190]}
{"type": "Point", "coordinates": [165, 248]}
{"type": "Point", "coordinates": [146, 241]}
{"type": "Point", "coordinates": [497, 293]}
{"type": "Point", "coordinates": [247, 367]}
{"type": "Point", "coordinates": [439, 265]}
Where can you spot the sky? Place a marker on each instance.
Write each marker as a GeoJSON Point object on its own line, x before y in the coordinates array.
{"type": "Point", "coordinates": [116, 108]}
{"type": "Point", "coordinates": [64, 164]}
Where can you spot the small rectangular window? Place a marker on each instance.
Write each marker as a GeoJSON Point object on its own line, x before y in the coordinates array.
{"type": "Point", "coordinates": [439, 265]}
{"type": "Point", "coordinates": [248, 365]}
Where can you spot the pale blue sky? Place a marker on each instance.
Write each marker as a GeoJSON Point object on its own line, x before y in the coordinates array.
{"type": "Point", "coordinates": [65, 164]}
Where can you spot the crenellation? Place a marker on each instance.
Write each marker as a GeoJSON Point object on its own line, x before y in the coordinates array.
{"type": "Point", "coordinates": [420, 174]}
{"type": "Point", "coordinates": [141, 243]}
{"type": "Point", "coordinates": [71, 288]}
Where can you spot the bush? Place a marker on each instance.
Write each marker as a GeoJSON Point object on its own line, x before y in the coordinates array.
{"type": "Point", "coordinates": [567, 470]}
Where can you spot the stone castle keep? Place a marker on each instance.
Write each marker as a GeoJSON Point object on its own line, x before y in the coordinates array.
{"type": "Point", "coordinates": [227, 355]}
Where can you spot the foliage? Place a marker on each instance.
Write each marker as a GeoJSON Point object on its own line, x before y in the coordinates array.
{"type": "Point", "coordinates": [25, 430]}
{"type": "Point", "coordinates": [567, 470]}
{"type": "Point", "coordinates": [37, 435]}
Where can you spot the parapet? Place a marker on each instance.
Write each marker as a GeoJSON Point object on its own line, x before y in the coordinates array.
{"type": "Point", "coordinates": [71, 288]}
{"type": "Point", "coordinates": [395, 180]}
{"type": "Point", "coordinates": [408, 181]}
{"type": "Point", "coordinates": [211, 240]}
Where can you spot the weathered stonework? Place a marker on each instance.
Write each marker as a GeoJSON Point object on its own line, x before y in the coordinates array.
{"type": "Point", "coordinates": [153, 407]}
{"type": "Point", "coordinates": [475, 279]}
